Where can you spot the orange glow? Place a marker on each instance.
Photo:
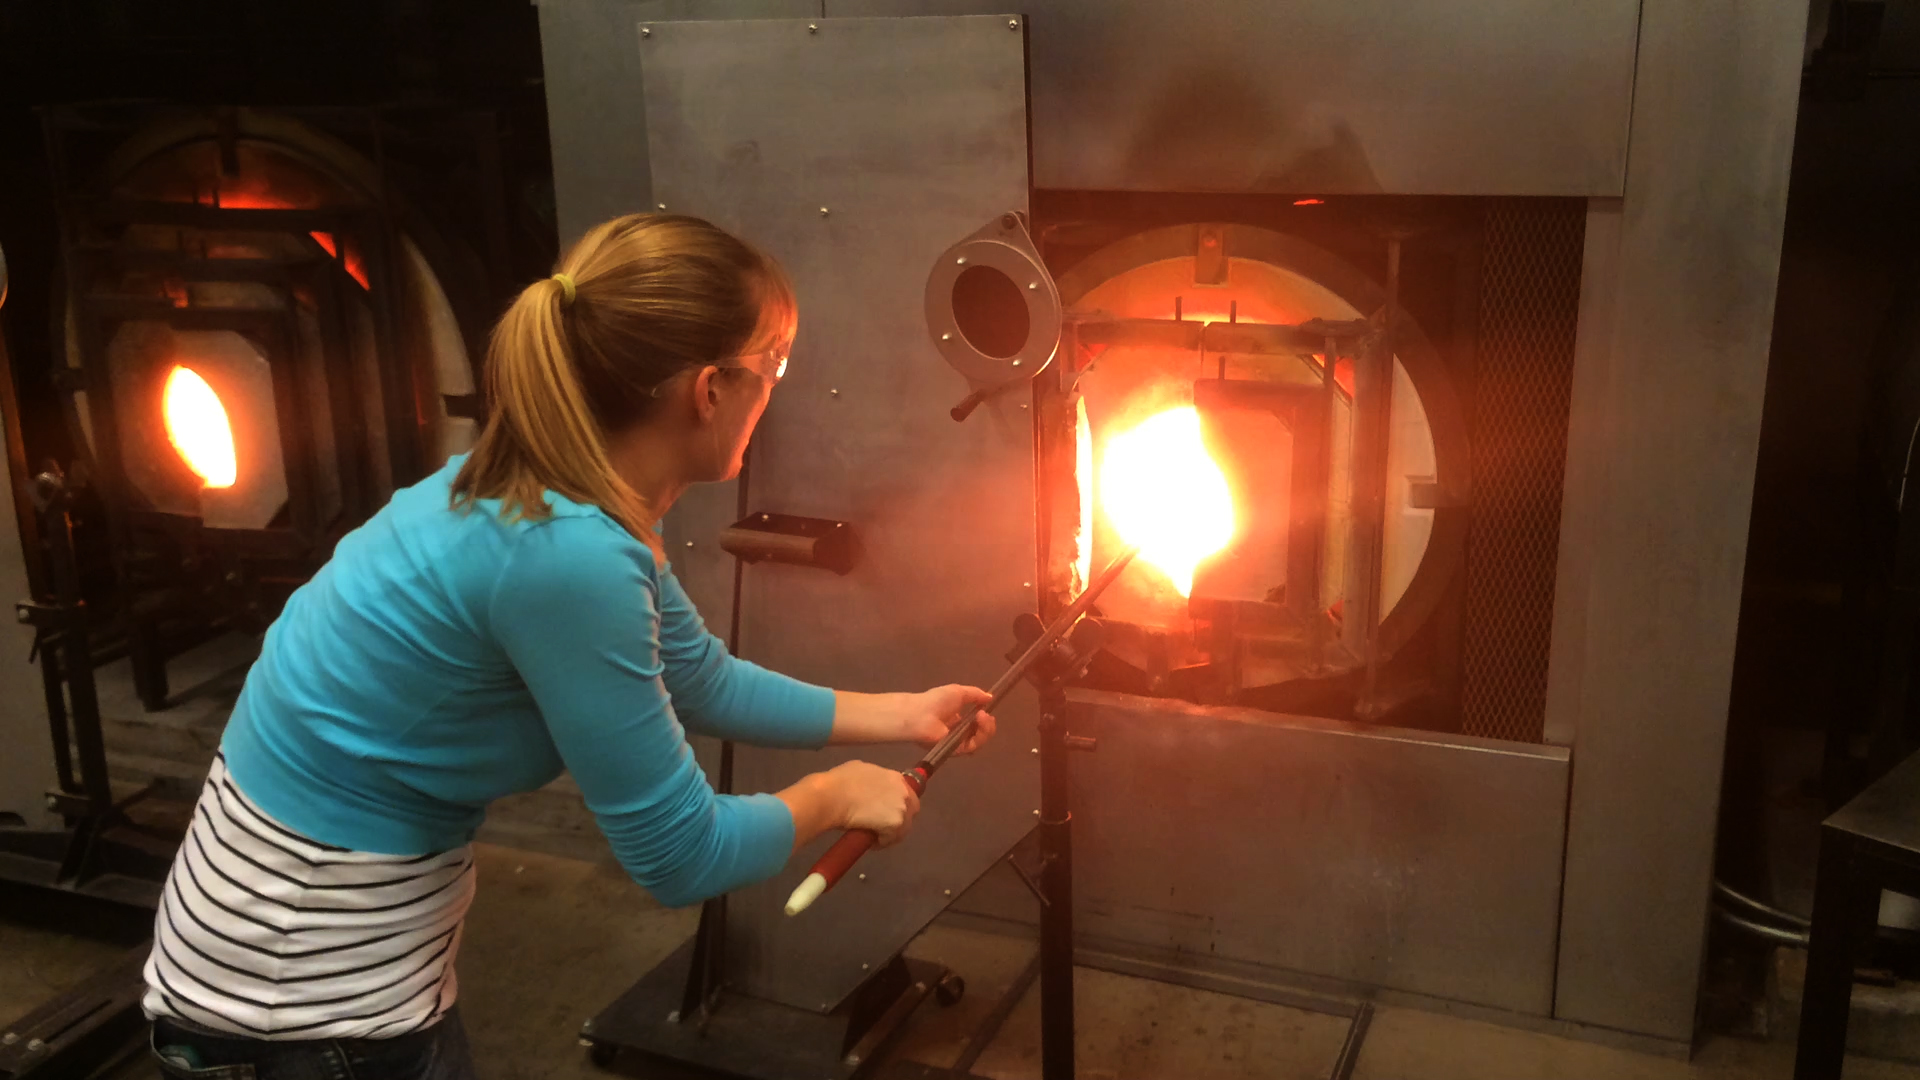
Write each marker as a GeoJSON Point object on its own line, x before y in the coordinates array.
{"type": "Point", "coordinates": [1161, 490]}
{"type": "Point", "coordinates": [356, 266]}
{"type": "Point", "coordinates": [228, 198]}
{"type": "Point", "coordinates": [1083, 476]}
{"type": "Point", "coordinates": [253, 199]}
{"type": "Point", "coordinates": [1309, 202]}
{"type": "Point", "coordinates": [198, 428]}
{"type": "Point", "coordinates": [1342, 371]}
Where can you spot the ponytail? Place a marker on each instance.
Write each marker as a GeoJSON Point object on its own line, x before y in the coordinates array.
{"type": "Point", "coordinates": [581, 356]}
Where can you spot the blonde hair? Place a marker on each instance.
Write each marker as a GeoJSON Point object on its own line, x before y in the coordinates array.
{"type": "Point", "coordinates": [582, 355]}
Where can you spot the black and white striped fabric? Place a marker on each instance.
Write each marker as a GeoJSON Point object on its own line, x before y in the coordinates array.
{"type": "Point", "coordinates": [266, 934]}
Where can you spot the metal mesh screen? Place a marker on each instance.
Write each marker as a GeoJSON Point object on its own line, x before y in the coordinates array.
{"type": "Point", "coordinates": [1530, 298]}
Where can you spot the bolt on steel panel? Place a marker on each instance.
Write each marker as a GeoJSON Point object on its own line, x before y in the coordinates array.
{"type": "Point", "coordinates": [855, 151]}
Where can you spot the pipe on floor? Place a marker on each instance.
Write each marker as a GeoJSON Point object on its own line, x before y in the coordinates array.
{"type": "Point", "coordinates": [1796, 939]}
{"type": "Point", "coordinates": [1766, 911]}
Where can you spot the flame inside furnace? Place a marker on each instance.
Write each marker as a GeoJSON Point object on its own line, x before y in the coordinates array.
{"type": "Point", "coordinates": [1160, 489]}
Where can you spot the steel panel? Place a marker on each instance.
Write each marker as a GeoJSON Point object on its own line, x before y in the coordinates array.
{"type": "Point", "coordinates": [1592, 349]}
{"type": "Point", "coordinates": [596, 122]}
{"type": "Point", "coordinates": [1415, 97]}
{"type": "Point", "coordinates": [1665, 449]}
{"type": "Point", "coordinates": [856, 154]}
{"type": "Point", "coordinates": [1394, 858]}
{"type": "Point", "coordinates": [26, 768]}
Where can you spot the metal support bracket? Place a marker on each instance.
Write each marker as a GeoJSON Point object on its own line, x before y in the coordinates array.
{"type": "Point", "coordinates": [787, 538]}
{"type": "Point", "coordinates": [992, 307]}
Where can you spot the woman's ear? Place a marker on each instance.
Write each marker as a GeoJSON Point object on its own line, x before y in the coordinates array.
{"type": "Point", "coordinates": [706, 392]}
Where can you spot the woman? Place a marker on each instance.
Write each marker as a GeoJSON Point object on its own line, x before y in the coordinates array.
{"type": "Point", "coordinates": [509, 617]}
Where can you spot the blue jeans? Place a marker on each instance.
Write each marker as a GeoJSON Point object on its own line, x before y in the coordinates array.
{"type": "Point", "coordinates": [438, 1053]}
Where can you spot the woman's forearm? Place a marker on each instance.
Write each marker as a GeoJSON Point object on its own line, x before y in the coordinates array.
{"type": "Point", "coordinates": [851, 795]}
{"type": "Point", "coordinates": [817, 806]}
{"type": "Point", "coordinates": [867, 718]}
{"type": "Point", "coordinates": [921, 718]}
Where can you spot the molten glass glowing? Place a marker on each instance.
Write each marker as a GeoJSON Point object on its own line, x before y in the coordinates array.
{"type": "Point", "coordinates": [1161, 490]}
{"type": "Point", "coordinates": [198, 428]}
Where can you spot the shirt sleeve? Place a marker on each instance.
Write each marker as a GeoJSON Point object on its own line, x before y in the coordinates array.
{"type": "Point", "coordinates": [719, 694]}
{"type": "Point", "coordinates": [575, 610]}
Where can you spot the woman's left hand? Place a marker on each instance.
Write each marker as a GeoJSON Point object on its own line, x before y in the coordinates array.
{"type": "Point", "coordinates": [925, 717]}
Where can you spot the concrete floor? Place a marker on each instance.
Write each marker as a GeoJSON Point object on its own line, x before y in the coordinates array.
{"type": "Point", "coordinates": [552, 940]}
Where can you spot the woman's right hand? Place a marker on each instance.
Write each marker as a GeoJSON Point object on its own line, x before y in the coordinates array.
{"type": "Point", "coordinates": [874, 798]}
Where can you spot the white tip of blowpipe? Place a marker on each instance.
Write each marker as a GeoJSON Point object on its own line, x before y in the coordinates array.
{"type": "Point", "coordinates": [804, 896]}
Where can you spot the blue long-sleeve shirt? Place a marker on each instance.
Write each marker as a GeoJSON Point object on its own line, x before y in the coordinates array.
{"type": "Point", "coordinates": [445, 658]}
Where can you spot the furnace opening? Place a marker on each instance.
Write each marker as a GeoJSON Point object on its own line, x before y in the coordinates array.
{"type": "Point", "coordinates": [1207, 429]}
{"type": "Point", "coordinates": [198, 427]}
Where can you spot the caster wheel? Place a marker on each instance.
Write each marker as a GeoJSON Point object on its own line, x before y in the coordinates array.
{"type": "Point", "coordinates": [949, 990]}
{"type": "Point", "coordinates": [602, 1054]}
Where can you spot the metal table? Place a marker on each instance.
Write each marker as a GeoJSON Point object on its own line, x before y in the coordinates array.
{"type": "Point", "coordinates": [1870, 844]}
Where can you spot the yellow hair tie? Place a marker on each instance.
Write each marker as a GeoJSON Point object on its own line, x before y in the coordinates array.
{"type": "Point", "coordinates": [566, 287]}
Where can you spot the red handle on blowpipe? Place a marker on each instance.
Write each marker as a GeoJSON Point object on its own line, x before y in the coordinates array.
{"type": "Point", "coordinates": [838, 859]}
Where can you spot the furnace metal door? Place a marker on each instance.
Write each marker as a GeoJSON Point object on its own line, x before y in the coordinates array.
{"type": "Point", "coordinates": [854, 151]}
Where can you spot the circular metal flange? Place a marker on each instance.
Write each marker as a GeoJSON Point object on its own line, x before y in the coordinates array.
{"type": "Point", "coordinates": [1001, 248]}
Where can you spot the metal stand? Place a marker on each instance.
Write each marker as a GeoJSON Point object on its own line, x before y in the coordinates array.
{"type": "Point", "coordinates": [1868, 845]}
{"type": "Point", "coordinates": [72, 1032]}
{"type": "Point", "coordinates": [82, 857]}
{"type": "Point", "coordinates": [1054, 889]}
{"type": "Point", "coordinates": [1056, 885]}
{"type": "Point", "coordinates": [681, 1019]}
{"type": "Point", "coordinates": [737, 1037]}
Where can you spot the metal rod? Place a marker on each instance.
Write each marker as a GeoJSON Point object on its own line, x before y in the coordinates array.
{"type": "Point", "coordinates": [1322, 506]}
{"type": "Point", "coordinates": [1033, 886]}
{"type": "Point", "coordinates": [1009, 679]}
{"type": "Point", "coordinates": [1356, 1035]}
{"type": "Point", "coordinates": [854, 843]}
{"type": "Point", "coordinates": [56, 696]}
{"type": "Point", "coordinates": [346, 392]}
{"type": "Point", "coordinates": [1233, 317]}
{"type": "Point", "coordinates": [76, 654]}
{"type": "Point", "coordinates": [1056, 878]}
{"type": "Point", "coordinates": [1797, 939]}
{"type": "Point", "coordinates": [1260, 339]}
{"type": "Point", "coordinates": [708, 969]}
{"type": "Point", "coordinates": [742, 495]}
{"type": "Point", "coordinates": [1375, 426]}
{"type": "Point", "coordinates": [984, 1034]}
{"type": "Point", "coordinates": [1767, 911]}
